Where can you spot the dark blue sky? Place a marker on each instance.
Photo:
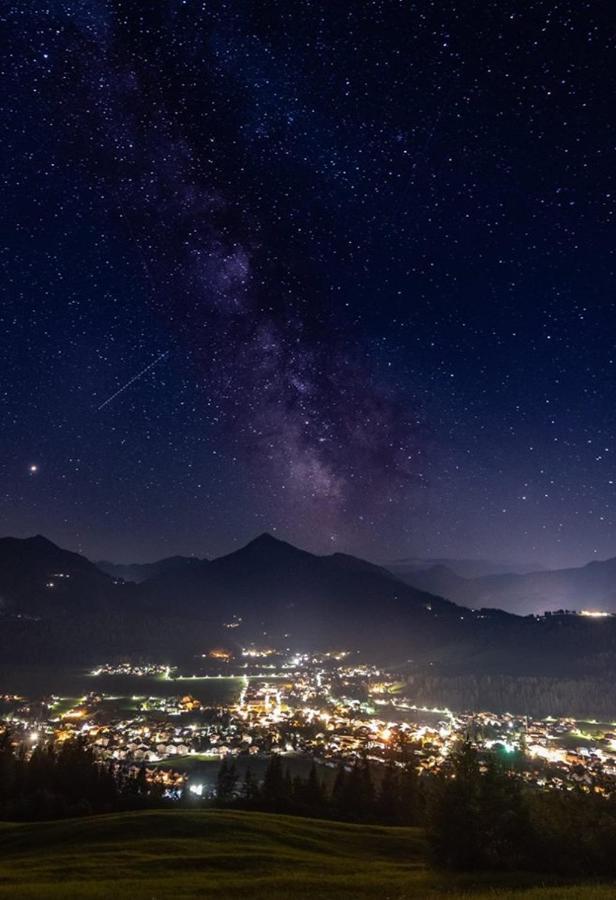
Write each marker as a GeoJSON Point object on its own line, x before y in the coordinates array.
{"type": "Point", "coordinates": [375, 242]}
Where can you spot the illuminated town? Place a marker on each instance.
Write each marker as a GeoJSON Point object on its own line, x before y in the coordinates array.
{"type": "Point", "coordinates": [321, 706]}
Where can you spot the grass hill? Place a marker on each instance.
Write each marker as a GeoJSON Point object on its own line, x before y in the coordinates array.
{"type": "Point", "coordinates": [178, 854]}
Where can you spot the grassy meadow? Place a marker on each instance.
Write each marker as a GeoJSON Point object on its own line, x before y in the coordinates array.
{"type": "Point", "coordinates": [156, 855]}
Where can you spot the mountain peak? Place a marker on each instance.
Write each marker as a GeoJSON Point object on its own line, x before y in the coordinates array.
{"type": "Point", "coordinates": [267, 543]}
{"type": "Point", "coordinates": [41, 541]}
{"type": "Point", "coordinates": [264, 549]}
{"type": "Point", "coordinates": [264, 539]}
{"type": "Point", "coordinates": [37, 542]}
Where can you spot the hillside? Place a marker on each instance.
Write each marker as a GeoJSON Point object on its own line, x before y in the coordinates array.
{"type": "Point", "coordinates": [245, 855]}
{"type": "Point", "coordinates": [281, 590]}
{"type": "Point", "coordinates": [139, 572]}
{"type": "Point", "coordinates": [466, 568]}
{"type": "Point", "coordinates": [39, 578]}
{"type": "Point", "coordinates": [592, 586]}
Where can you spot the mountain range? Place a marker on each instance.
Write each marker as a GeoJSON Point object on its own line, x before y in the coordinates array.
{"type": "Point", "coordinates": [56, 605]}
{"type": "Point", "coordinates": [519, 588]}
{"type": "Point", "coordinates": [466, 568]}
{"type": "Point", "coordinates": [589, 587]}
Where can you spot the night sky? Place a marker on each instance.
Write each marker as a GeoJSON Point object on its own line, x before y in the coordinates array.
{"type": "Point", "coordinates": [360, 256]}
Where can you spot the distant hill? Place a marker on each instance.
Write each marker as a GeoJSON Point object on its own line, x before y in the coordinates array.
{"type": "Point", "coordinates": [465, 568]}
{"type": "Point", "coordinates": [58, 607]}
{"type": "Point", "coordinates": [138, 572]}
{"type": "Point", "coordinates": [441, 580]}
{"type": "Point", "coordinates": [589, 587]}
{"type": "Point", "coordinates": [254, 856]}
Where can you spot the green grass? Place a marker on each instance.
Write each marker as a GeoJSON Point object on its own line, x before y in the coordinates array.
{"type": "Point", "coordinates": [174, 854]}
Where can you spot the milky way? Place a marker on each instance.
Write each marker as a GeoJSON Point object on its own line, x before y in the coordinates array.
{"type": "Point", "coordinates": [372, 239]}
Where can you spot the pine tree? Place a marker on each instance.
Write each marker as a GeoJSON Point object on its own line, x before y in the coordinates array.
{"type": "Point", "coordinates": [505, 819]}
{"type": "Point", "coordinates": [388, 799]}
{"type": "Point", "coordinates": [339, 791]}
{"type": "Point", "coordinates": [226, 781]}
{"type": "Point", "coordinates": [274, 789]}
{"type": "Point", "coordinates": [250, 788]}
{"type": "Point", "coordinates": [455, 828]}
{"type": "Point", "coordinates": [221, 779]}
{"type": "Point", "coordinates": [8, 766]}
{"type": "Point", "coordinates": [410, 797]}
{"type": "Point", "coordinates": [356, 799]}
{"type": "Point", "coordinates": [315, 797]}
{"type": "Point", "coordinates": [367, 791]}
{"type": "Point", "coordinates": [298, 792]}
{"type": "Point", "coordinates": [288, 787]}
{"type": "Point", "coordinates": [141, 782]}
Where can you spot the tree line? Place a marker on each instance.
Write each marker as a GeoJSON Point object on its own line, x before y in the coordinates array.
{"type": "Point", "coordinates": [356, 795]}
{"type": "Point", "coordinates": [65, 780]}
{"type": "Point", "coordinates": [482, 816]}
{"type": "Point", "coordinates": [537, 696]}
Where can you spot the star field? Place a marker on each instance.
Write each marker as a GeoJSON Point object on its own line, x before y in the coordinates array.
{"type": "Point", "coordinates": [345, 270]}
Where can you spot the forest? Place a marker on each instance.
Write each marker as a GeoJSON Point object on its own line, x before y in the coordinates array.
{"type": "Point", "coordinates": [537, 696]}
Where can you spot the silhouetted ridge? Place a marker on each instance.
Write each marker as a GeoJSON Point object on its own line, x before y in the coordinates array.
{"type": "Point", "coordinates": [348, 561]}
{"type": "Point", "coordinates": [588, 587]}
{"type": "Point", "coordinates": [39, 578]}
{"type": "Point", "coordinates": [139, 572]}
{"type": "Point", "coordinates": [264, 548]}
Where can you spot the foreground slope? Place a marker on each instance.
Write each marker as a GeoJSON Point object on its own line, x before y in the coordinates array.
{"type": "Point", "coordinates": [177, 854]}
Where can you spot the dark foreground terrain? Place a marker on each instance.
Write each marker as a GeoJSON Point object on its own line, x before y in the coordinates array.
{"type": "Point", "coordinates": [246, 855]}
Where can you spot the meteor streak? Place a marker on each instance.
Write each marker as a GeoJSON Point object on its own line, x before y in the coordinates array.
{"type": "Point", "coordinates": [132, 380]}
